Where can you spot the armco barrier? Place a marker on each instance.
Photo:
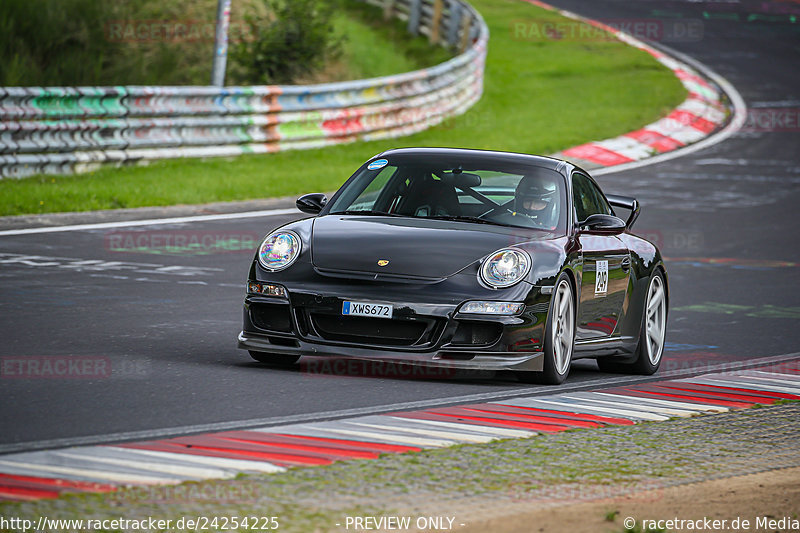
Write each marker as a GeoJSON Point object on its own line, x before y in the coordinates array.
{"type": "Point", "coordinates": [60, 130]}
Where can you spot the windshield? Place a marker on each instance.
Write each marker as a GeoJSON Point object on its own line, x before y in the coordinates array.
{"type": "Point", "coordinates": [501, 194]}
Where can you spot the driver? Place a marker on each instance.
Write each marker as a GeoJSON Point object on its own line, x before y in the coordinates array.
{"type": "Point", "coordinates": [536, 198]}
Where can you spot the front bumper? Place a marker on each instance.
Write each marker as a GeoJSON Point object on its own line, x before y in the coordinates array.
{"type": "Point", "coordinates": [426, 328]}
{"type": "Point", "coordinates": [528, 361]}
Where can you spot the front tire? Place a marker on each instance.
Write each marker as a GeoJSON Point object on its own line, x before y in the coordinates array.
{"type": "Point", "coordinates": [274, 359]}
{"type": "Point", "coordinates": [652, 334]}
{"type": "Point", "coordinates": [559, 338]}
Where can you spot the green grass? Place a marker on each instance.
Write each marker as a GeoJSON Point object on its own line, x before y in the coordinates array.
{"type": "Point", "coordinates": [371, 47]}
{"type": "Point", "coordinates": [540, 96]}
{"type": "Point", "coordinates": [374, 47]}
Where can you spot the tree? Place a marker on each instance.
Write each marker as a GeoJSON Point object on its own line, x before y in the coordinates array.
{"type": "Point", "coordinates": [295, 39]}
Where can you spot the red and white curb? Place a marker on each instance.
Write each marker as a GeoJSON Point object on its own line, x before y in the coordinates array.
{"type": "Point", "coordinates": [700, 115]}
{"type": "Point", "coordinates": [221, 455]}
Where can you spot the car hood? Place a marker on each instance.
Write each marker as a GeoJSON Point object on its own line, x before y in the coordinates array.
{"type": "Point", "coordinates": [414, 247]}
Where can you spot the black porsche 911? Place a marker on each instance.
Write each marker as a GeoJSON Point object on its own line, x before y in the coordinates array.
{"type": "Point", "coordinates": [462, 258]}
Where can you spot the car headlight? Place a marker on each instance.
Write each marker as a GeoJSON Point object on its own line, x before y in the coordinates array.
{"type": "Point", "coordinates": [505, 267]}
{"type": "Point", "coordinates": [279, 250]}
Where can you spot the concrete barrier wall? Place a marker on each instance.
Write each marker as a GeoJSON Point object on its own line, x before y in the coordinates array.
{"type": "Point", "coordinates": [61, 130]}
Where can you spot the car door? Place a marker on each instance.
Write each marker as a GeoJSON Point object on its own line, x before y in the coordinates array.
{"type": "Point", "coordinates": [606, 266]}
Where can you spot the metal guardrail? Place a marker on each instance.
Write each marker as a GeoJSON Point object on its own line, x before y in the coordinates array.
{"type": "Point", "coordinates": [61, 130]}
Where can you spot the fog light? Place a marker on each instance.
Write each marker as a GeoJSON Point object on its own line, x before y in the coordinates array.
{"type": "Point", "coordinates": [266, 289]}
{"type": "Point", "coordinates": [493, 308]}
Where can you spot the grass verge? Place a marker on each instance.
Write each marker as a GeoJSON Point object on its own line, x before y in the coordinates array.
{"type": "Point", "coordinates": [541, 95]}
{"type": "Point", "coordinates": [373, 47]}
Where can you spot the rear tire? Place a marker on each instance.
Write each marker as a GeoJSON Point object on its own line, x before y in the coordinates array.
{"type": "Point", "coordinates": [652, 334]}
{"type": "Point", "coordinates": [274, 359]}
{"type": "Point", "coordinates": [559, 337]}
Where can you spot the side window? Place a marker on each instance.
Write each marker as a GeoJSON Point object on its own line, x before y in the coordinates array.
{"type": "Point", "coordinates": [587, 198]}
{"type": "Point", "coordinates": [366, 200]}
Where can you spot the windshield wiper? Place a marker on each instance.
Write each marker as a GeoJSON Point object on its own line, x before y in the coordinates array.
{"type": "Point", "coordinates": [470, 219]}
{"type": "Point", "coordinates": [367, 213]}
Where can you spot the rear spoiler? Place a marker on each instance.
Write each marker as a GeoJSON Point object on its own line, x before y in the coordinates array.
{"type": "Point", "coordinates": [626, 202]}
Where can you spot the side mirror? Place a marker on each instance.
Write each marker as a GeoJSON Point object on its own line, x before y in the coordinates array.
{"type": "Point", "coordinates": [602, 225]}
{"type": "Point", "coordinates": [312, 203]}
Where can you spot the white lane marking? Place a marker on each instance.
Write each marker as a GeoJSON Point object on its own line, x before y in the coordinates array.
{"type": "Point", "coordinates": [268, 425]}
{"type": "Point", "coordinates": [150, 222]}
{"type": "Point", "coordinates": [635, 406]}
{"type": "Point", "coordinates": [724, 161]}
{"type": "Point", "coordinates": [777, 103]}
{"type": "Point", "coordinates": [736, 123]}
{"type": "Point", "coordinates": [449, 435]}
{"type": "Point", "coordinates": [99, 265]}
{"type": "Point", "coordinates": [500, 432]}
{"type": "Point", "coordinates": [235, 465]}
{"type": "Point", "coordinates": [669, 403]}
{"type": "Point", "coordinates": [110, 276]}
{"type": "Point", "coordinates": [85, 473]}
{"type": "Point", "coordinates": [186, 472]}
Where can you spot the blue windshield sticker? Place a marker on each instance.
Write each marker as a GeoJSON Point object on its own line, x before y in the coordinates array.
{"type": "Point", "coordinates": [375, 165]}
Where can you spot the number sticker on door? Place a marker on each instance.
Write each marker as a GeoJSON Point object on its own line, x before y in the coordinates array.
{"type": "Point", "coordinates": [601, 279]}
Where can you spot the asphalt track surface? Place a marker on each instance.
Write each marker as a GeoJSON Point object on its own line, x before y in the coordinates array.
{"type": "Point", "coordinates": [165, 324]}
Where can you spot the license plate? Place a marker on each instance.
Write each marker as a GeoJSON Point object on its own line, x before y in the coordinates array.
{"type": "Point", "coordinates": [367, 309]}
